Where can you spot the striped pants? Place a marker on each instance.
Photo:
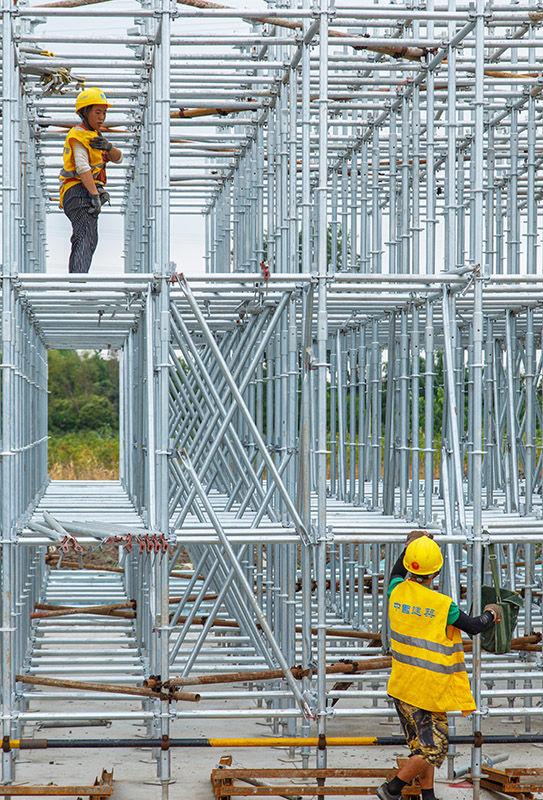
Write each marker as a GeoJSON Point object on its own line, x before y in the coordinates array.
{"type": "Point", "coordinates": [84, 228]}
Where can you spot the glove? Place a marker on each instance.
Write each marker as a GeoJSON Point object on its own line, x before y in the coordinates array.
{"type": "Point", "coordinates": [95, 205]}
{"type": "Point", "coordinates": [495, 610]}
{"type": "Point", "coordinates": [104, 198]}
{"type": "Point", "coordinates": [100, 143]}
{"type": "Point", "coordinates": [412, 535]}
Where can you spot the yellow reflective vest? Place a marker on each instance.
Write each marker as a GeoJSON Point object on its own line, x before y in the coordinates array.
{"type": "Point", "coordinates": [97, 160]}
{"type": "Point", "coordinates": [428, 669]}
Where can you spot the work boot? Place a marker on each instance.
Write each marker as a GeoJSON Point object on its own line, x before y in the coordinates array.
{"type": "Point", "coordinates": [384, 793]}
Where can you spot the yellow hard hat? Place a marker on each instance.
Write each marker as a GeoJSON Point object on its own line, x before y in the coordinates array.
{"type": "Point", "coordinates": [423, 557]}
{"type": "Point", "coordinates": [91, 97]}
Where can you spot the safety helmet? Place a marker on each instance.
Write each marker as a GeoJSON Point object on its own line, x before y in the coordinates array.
{"type": "Point", "coordinates": [423, 556]}
{"type": "Point", "coordinates": [91, 97]}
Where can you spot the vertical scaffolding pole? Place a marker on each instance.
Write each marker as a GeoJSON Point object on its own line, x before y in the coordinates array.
{"type": "Point", "coordinates": [304, 497]}
{"type": "Point", "coordinates": [9, 266]}
{"type": "Point", "coordinates": [305, 479]}
{"type": "Point", "coordinates": [322, 348]}
{"type": "Point", "coordinates": [430, 268]}
{"type": "Point", "coordinates": [531, 262]}
{"type": "Point", "coordinates": [477, 372]}
{"type": "Point", "coordinates": [158, 308]}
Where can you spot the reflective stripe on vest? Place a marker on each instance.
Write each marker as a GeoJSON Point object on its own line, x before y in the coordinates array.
{"type": "Point", "coordinates": [433, 646]}
{"type": "Point", "coordinates": [424, 664]}
{"type": "Point", "coordinates": [74, 174]}
{"type": "Point", "coordinates": [428, 669]}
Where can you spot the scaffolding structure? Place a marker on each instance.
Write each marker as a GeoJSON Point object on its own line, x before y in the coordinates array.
{"type": "Point", "coordinates": [362, 356]}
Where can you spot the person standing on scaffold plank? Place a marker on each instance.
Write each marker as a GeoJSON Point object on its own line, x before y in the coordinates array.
{"type": "Point", "coordinates": [83, 176]}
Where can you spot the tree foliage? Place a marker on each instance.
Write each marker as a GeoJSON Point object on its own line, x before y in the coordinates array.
{"type": "Point", "coordinates": [83, 392]}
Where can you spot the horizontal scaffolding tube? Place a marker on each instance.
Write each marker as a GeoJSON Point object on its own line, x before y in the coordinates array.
{"type": "Point", "coordinates": [278, 741]}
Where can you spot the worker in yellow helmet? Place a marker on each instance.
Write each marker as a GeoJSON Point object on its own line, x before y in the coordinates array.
{"type": "Point", "coordinates": [83, 176]}
{"type": "Point", "coordinates": [428, 676]}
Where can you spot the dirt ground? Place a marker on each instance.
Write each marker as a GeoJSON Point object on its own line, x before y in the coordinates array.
{"type": "Point", "coordinates": [106, 555]}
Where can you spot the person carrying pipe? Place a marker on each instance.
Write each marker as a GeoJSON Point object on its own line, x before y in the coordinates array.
{"type": "Point", "coordinates": [428, 676]}
{"type": "Point", "coordinates": [83, 176]}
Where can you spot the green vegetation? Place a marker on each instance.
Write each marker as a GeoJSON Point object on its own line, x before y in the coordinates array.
{"type": "Point", "coordinates": [83, 392]}
{"type": "Point", "coordinates": [83, 416]}
{"type": "Point", "coordinates": [83, 456]}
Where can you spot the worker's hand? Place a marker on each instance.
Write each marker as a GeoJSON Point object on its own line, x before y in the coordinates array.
{"type": "Point", "coordinates": [104, 198]}
{"type": "Point", "coordinates": [100, 143]}
{"type": "Point", "coordinates": [95, 205]}
{"type": "Point", "coordinates": [412, 535]}
{"type": "Point", "coordinates": [495, 610]}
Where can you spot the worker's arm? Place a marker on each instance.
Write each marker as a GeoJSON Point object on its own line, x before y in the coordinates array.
{"type": "Point", "coordinates": [397, 575]}
{"type": "Point", "coordinates": [398, 570]}
{"type": "Point", "coordinates": [473, 625]}
{"type": "Point", "coordinates": [88, 182]}
{"type": "Point", "coordinates": [83, 168]}
{"type": "Point", "coordinates": [115, 155]}
{"type": "Point", "coordinates": [101, 143]}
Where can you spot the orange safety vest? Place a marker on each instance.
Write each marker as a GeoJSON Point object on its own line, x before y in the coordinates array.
{"type": "Point", "coordinates": [428, 669]}
{"type": "Point", "coordinates": [97, 160]}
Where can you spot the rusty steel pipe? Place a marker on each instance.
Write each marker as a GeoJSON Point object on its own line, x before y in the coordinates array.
{"type": "Point", "coordinates": [53, 559]}
{"type": "Point", "coordinates": [346, 667]}
{"type": "Point", "coordinates": [529, 642]}
{"type": "Point", "coordinates": [61, 611]}
{"type": "Point", "coordinates": [110, 688]}
{"type": "Point", "coordinates": [56, 791]}
{"type": "Point", "coordinates": [193, 597]}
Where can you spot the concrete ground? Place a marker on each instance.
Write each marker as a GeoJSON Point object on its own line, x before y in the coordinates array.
{"type": "Point", "coordinates": [135, 769]}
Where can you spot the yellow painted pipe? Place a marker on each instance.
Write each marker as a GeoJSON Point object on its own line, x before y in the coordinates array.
{"type": "Point", "coordinates": [296, 741]}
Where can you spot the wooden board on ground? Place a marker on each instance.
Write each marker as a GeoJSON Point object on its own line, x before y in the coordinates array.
{"type": "Point", "coordinates": [228, 783]}
{"type": "Point", "coordinates": [102, 789]}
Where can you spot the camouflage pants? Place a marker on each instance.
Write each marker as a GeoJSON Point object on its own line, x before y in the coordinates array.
{"type": "Point", "coordinates": [427, 732]}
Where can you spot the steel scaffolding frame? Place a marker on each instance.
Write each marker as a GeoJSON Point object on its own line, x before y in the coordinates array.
{"type": "Point", "coordinates": [363, 355]}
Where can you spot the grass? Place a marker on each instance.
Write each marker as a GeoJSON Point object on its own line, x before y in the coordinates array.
{"type": "Point", "coordinates": [83, 456]}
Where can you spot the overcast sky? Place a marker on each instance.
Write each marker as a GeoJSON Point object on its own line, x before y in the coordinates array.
{"type": "Point", "coordinates": [187, 243]}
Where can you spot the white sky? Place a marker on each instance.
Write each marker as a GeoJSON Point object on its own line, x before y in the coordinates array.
{"type": "Point", "coordinates": [187, 243]}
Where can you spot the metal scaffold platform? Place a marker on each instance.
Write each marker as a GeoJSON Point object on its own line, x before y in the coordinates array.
{"type": "Point", "coordinates": [362, 357]}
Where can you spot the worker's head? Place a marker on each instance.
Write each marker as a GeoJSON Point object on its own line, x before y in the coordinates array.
{"type": "Point", "coordinates": [92, 105]}
{"type": "Point", "coordinates": [422, 559]}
